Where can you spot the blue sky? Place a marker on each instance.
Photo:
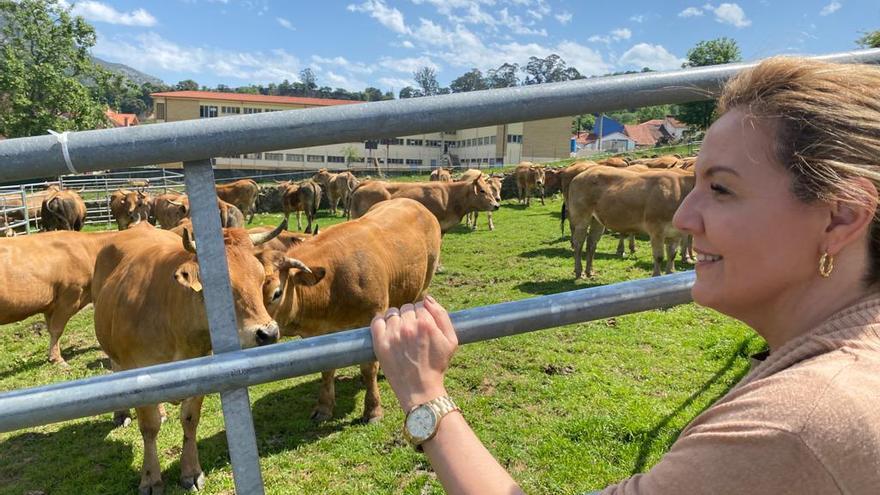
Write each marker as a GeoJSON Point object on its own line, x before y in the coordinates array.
{"type": "Point", "coordinates": [356, 43]}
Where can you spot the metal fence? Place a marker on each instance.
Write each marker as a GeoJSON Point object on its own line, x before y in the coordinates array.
{"type": "Point", "coordinates": [230, 370]}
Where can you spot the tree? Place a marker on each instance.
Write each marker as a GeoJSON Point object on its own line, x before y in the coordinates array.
{"type": "Point", "coordinates": [47, 79]}
{"type": "Point", "coordinates": [472, 80]}
{"type": "Point", "coordinates": [550, 69]}
{"type": "Point", "coordinates": [186, 85]}
{"type": "Point", "coordinates": [503, 77]}
{"type": "Point", "coordinates": [373, 94]}
{"type": "Point", "coordinates": [718, 51]}
{"type": "Point", "coordinates": [426, 78]}
{"type": "Point", "coordinates": [655, 112]}
{"type": "Point", "coordinates": [583, 123]}
{"type": "Point", "coordinates": [409, 92]}
{"type": "Point", "coordinates": [870, 40]}
{"type": "Point", "coordinates": [351, 154]}
{"type": "Point", "coordinates": [309, 81]}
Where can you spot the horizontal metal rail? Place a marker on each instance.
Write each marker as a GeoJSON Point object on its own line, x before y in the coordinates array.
{"type": "Point", "coordinates": [236, 135]}
{"type": "Point", "coordinates": [233, 370]}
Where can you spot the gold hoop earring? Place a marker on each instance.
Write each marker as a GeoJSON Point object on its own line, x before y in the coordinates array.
{"type": "Point", "coordinates": [826, 265]}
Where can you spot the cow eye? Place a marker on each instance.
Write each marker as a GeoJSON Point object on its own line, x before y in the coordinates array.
{"type": "Point", "coordinates": [277, 294]}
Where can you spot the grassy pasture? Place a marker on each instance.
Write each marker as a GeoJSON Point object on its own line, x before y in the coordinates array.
{"type": "Point", "coordinates": [565, 410]}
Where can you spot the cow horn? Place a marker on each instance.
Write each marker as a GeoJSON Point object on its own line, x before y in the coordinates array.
{"type": "Point", "coordinates": [175, 203]}
{"type": "Point", "coordinates": [295, 263]}
{"type": "Point", "coordinates": [265, 237]}
{"type": "Point", "coordinates": [188, 242]}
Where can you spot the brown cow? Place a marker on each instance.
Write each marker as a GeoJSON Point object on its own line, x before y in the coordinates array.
{"type": "Point", "coordinates": [665, 161]}
{"type": "Point", "coordinates": [494, 185]}
{"type": "Point", "coordinates": [171, 208]}
{"type": "Point", "coordinates": [351, 272]}
{"type": "Point", "coordinates": [12, 202]}
{"type": "Point", "coordinates": [627, 202]}
{"type": "Point", "coordinates": [241, 193]}
{"type": "Point", "coordinates": [63, 210]}
{"type": "Point", "coordinates": [528, 177]}
{"type": "Point", "coordinates": [48, 273]}
{"type": "Point", "coordinates": [441, 175]}
{"type": "Point", "coordinates": [448, 201]}
{"type": "Point", "coordinates": [130, 207]}
{"type": "Point", "coordinates": [614, 161]}
{"type": "Point", "coordinates": [338, 187]}
{"type": "Point", "coordinates": [301, 197]}
{"type": "Point", "coordinates": [149, 309]}
{"type": "Point", "coordinates": [285, 239]}
{"type": "Point", "coordinates": [566, 175]}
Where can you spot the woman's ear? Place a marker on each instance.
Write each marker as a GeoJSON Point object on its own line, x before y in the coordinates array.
{"type": "Point", "coordinates": [850, 222]}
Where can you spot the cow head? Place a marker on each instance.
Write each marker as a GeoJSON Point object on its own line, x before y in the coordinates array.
{"type": "Point", "coordinates": [495, 185]}
{"type": "Point", "coordinates": [482, 196]}
{"type": "Point", "coordinates": [540, 175]}
{"type": "Point", "coordinates": [138, 206]}
{"type": "Point", "coordinates": [322, 176]}
{"type": "Point", "coordinates": [246, 277]}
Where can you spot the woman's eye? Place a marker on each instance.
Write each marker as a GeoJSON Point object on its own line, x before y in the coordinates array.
{"type": "Point", "coordinates": [718, 189]}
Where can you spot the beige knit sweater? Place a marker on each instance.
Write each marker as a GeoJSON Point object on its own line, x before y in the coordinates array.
{"type": "Point", "coordinates": [805, 421]}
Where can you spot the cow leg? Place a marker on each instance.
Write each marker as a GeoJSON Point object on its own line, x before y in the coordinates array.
{"type": "Point", "coordinates": [65, 307]}
{"type": "Point", "coordinates": [326, 397]}
{"type": "Point", "coordinates": [578, 234]}
{"type": "Point", "coordinates": [687, 253]}
{"type": "Point", "coordinates": [596, 231]}
{"type": "Point", "coordinates": [298, 221]}
{"type": "Point", "coordinates": [657, 246]}
{"type": "Point", "coordinates": [620, 246]}
{"type": "Point", "coordinates": [122, 417]}
{"type": "Point", "coordinates": [372, 402]}
{"type": "Point", "coordinates": [149, 423]}
{"type": "Point", "coordinates": [191, 476]}
{"type": "Point", "coordinates": [475, 215]}
{"type": "Point", "coordinates": [542, 198]}
{"type": "Point", "coordinates": [491, 224]}
{"type": "Point", "coordinates": [671, 248]}
{"type": "Point", "coordinates": [632, 244]}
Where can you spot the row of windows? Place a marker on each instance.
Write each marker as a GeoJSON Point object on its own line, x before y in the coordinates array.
{"type": "Point", "coordinates": [296, 157]}
{"type": "Point", "coordinates": [209, 111]}
{"type": "Point", "coordinates": [514, 138]}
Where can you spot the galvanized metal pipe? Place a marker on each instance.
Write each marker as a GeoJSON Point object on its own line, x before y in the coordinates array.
{"type": "Point", "coordinates": [235, 370]}
{"type": "Point", "coordinates": [205, 138]}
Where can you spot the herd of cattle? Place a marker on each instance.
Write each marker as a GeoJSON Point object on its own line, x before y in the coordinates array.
{"type": "Point", "coordinates": [146, 289]}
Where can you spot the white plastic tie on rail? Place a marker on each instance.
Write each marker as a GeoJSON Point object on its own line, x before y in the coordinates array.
{"type": "Point", "coordinates": [62, 138]}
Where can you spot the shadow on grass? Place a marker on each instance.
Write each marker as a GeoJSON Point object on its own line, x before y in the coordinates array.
{"type": "Point", "coordinates": [282, 423]}
{"type": "Point", "coordinates": [78, 458]}
{"type": "Point", "coordinates": [37, 362]}
{"type": "Point", "coordinates": [564, 252]}
{"type": "Point", "coordinates": [554, 286]}
{"type": "Point", "coordinates": [654, 434]}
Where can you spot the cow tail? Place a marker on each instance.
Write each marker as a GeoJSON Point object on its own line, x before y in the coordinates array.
{"type": "Point", "coordinates": [317, 201]}
{"type": "Point", "coordinates": [562, 219]}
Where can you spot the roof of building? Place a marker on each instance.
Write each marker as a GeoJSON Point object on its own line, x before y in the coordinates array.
{"type": "Point", "coordinates": [675, 122]}
{"type": "Point", "coordinates": [644, 134]}
{"type": "Point", "coordinates": [585, 138]}
{"type": "Point", "coordinates": [245, 97]}
{"type": "Point", "coordinates": [122, 119]}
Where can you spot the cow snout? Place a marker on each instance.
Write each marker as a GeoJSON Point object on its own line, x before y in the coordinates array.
{"type": "Point", "coordinates": [267, 335]}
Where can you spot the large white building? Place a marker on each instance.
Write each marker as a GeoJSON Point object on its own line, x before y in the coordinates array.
{"type": "Point", "coordinates": [536, 141]}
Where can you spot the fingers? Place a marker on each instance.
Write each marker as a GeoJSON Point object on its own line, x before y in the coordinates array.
{"type": "Point", "coordinates": [441, 317]}
{"type": "Point", "coordinates": [377, 330]}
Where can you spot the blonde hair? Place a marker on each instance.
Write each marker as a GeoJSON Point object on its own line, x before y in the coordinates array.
{"type": "Point", "coordinates": [827, 121]}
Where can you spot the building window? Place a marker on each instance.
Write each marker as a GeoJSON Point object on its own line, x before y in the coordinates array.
{"type": "Point", "coordinates": [491, 139]}
{"type": "Point", "coordinates": [392, 141]}
{"type": "Point", "coordinates": [207, 111]}
{"type": "Point", "coordinates": [293, 157]}
{"type": "Point", "coordinates": [413, 161]}
{"type": "Point", "coordinates": [248, 110]}
{"type": "Point", "coordinates": [413, 142]}
{"type": "Point", "coordinates": [230, 110]}
{"type": "Point", "coordinates": [315, 158]}
{"type": "Point", "coordinates": [358, 159]}
{"type": "Point", "coordinates": [278, 157]}
{"type": "Point", "coordinates": [160, 111]}
{"type": "Point", "coordinates": [514, 138]}
{"type": "Point", "coordinates": [254, 156]}
{"type": "Point", "coordinates": [335, 159]}
{"type": "Point", "coordinates": [271, 109]}
{"type": "Point", "coordinates": [395, 160]}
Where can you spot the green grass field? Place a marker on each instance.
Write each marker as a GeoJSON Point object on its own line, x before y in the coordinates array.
{"type": "Point", "coordinates": [565, 410]}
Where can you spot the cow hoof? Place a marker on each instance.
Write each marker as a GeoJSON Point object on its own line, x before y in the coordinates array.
{"type": "Point", "coordinates": [372, 420]}
{"type": "Point", "coordinates": [193, 483]}
{"type": "Point", "coordinates": [320, 416]}
{"type": "Point", "coordinates": [121, 420]}
{"type": "Point", "coordinates": [157, 488]}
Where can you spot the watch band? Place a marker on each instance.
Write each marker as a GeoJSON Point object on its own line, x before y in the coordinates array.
{"type": "Point", "coordinates": [441, 406]}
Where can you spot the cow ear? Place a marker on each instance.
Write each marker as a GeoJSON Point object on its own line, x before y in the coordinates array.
{"type": "Point", "coordinates": [302, 277]}
{"type": "Point", "coordinates": [187, 275]}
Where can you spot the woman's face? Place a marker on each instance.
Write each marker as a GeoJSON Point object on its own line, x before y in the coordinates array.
{"type": "Point", "coordinates": [756, 243]}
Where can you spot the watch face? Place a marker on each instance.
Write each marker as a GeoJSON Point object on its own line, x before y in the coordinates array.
{"type": "Point", "coordinates": [420, 423]}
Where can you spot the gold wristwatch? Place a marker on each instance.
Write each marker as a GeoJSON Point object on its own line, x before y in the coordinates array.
{"type": "Point", "coordinates": [422, 420]}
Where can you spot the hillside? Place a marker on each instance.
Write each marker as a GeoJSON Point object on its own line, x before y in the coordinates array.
{"type": "Point", "coordinates": [134, 75]}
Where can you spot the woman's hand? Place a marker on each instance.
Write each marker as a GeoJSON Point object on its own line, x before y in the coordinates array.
{"type": "Point", "coordinates": [414, 346]}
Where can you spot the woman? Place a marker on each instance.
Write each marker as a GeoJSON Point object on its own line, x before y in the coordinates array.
{"type": "Point", "coordinates": [784, 221]}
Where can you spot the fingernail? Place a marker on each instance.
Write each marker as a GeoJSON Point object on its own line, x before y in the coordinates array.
{"type": "Point", "coordinates": [430, 299]}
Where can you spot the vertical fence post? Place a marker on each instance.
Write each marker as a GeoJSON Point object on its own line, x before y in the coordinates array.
{"type": "Point", "coordinates": [199, 179]}
{"type": "Point", "coordinates": [25, 212]}
{"type": "Point", "coordinates": [107, 201]}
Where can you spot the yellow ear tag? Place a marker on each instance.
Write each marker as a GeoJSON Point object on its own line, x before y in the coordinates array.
{"type": "Point", "coordinates": [196, 286]}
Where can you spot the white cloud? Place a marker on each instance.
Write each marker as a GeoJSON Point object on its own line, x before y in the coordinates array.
{"type": "Point", "coordinates": [341, 63]}
{"type": "Point", "coordinates": [691, 12]}
{"type": "Point", "coordinates": [831, 8]}
{"type": "Point", "coordinates": [653, 56]}
{"type": "Point", "coordinates": [150, 51]}
{"type": "Point", "coordinates": [285, 23]}
{"type": "Point", "coordinates": [341, 81]}
{"type": "Point", "coordinates": [733, 14]}
{"type": "Point", "coordinates": [599, 39]}
{"type": "Point", "coordinates": [408, 44]}
{"type": "Point", "coordinates": [621, 34]}
{"type": "Point", "coordinates": [100, 12]}
{"type": "Point", "coordinates": [396, 83]}
{"type": "Point", "coordinates": [638, 18]}
{"type": "Point", "coordinates": [407, 64]}
{"type": "Point", "coordinates": [563, 17]}
{"type": "Point", "coordinates": [387, 16]}
{"type": "Point", "coordinates": [516, 24]}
